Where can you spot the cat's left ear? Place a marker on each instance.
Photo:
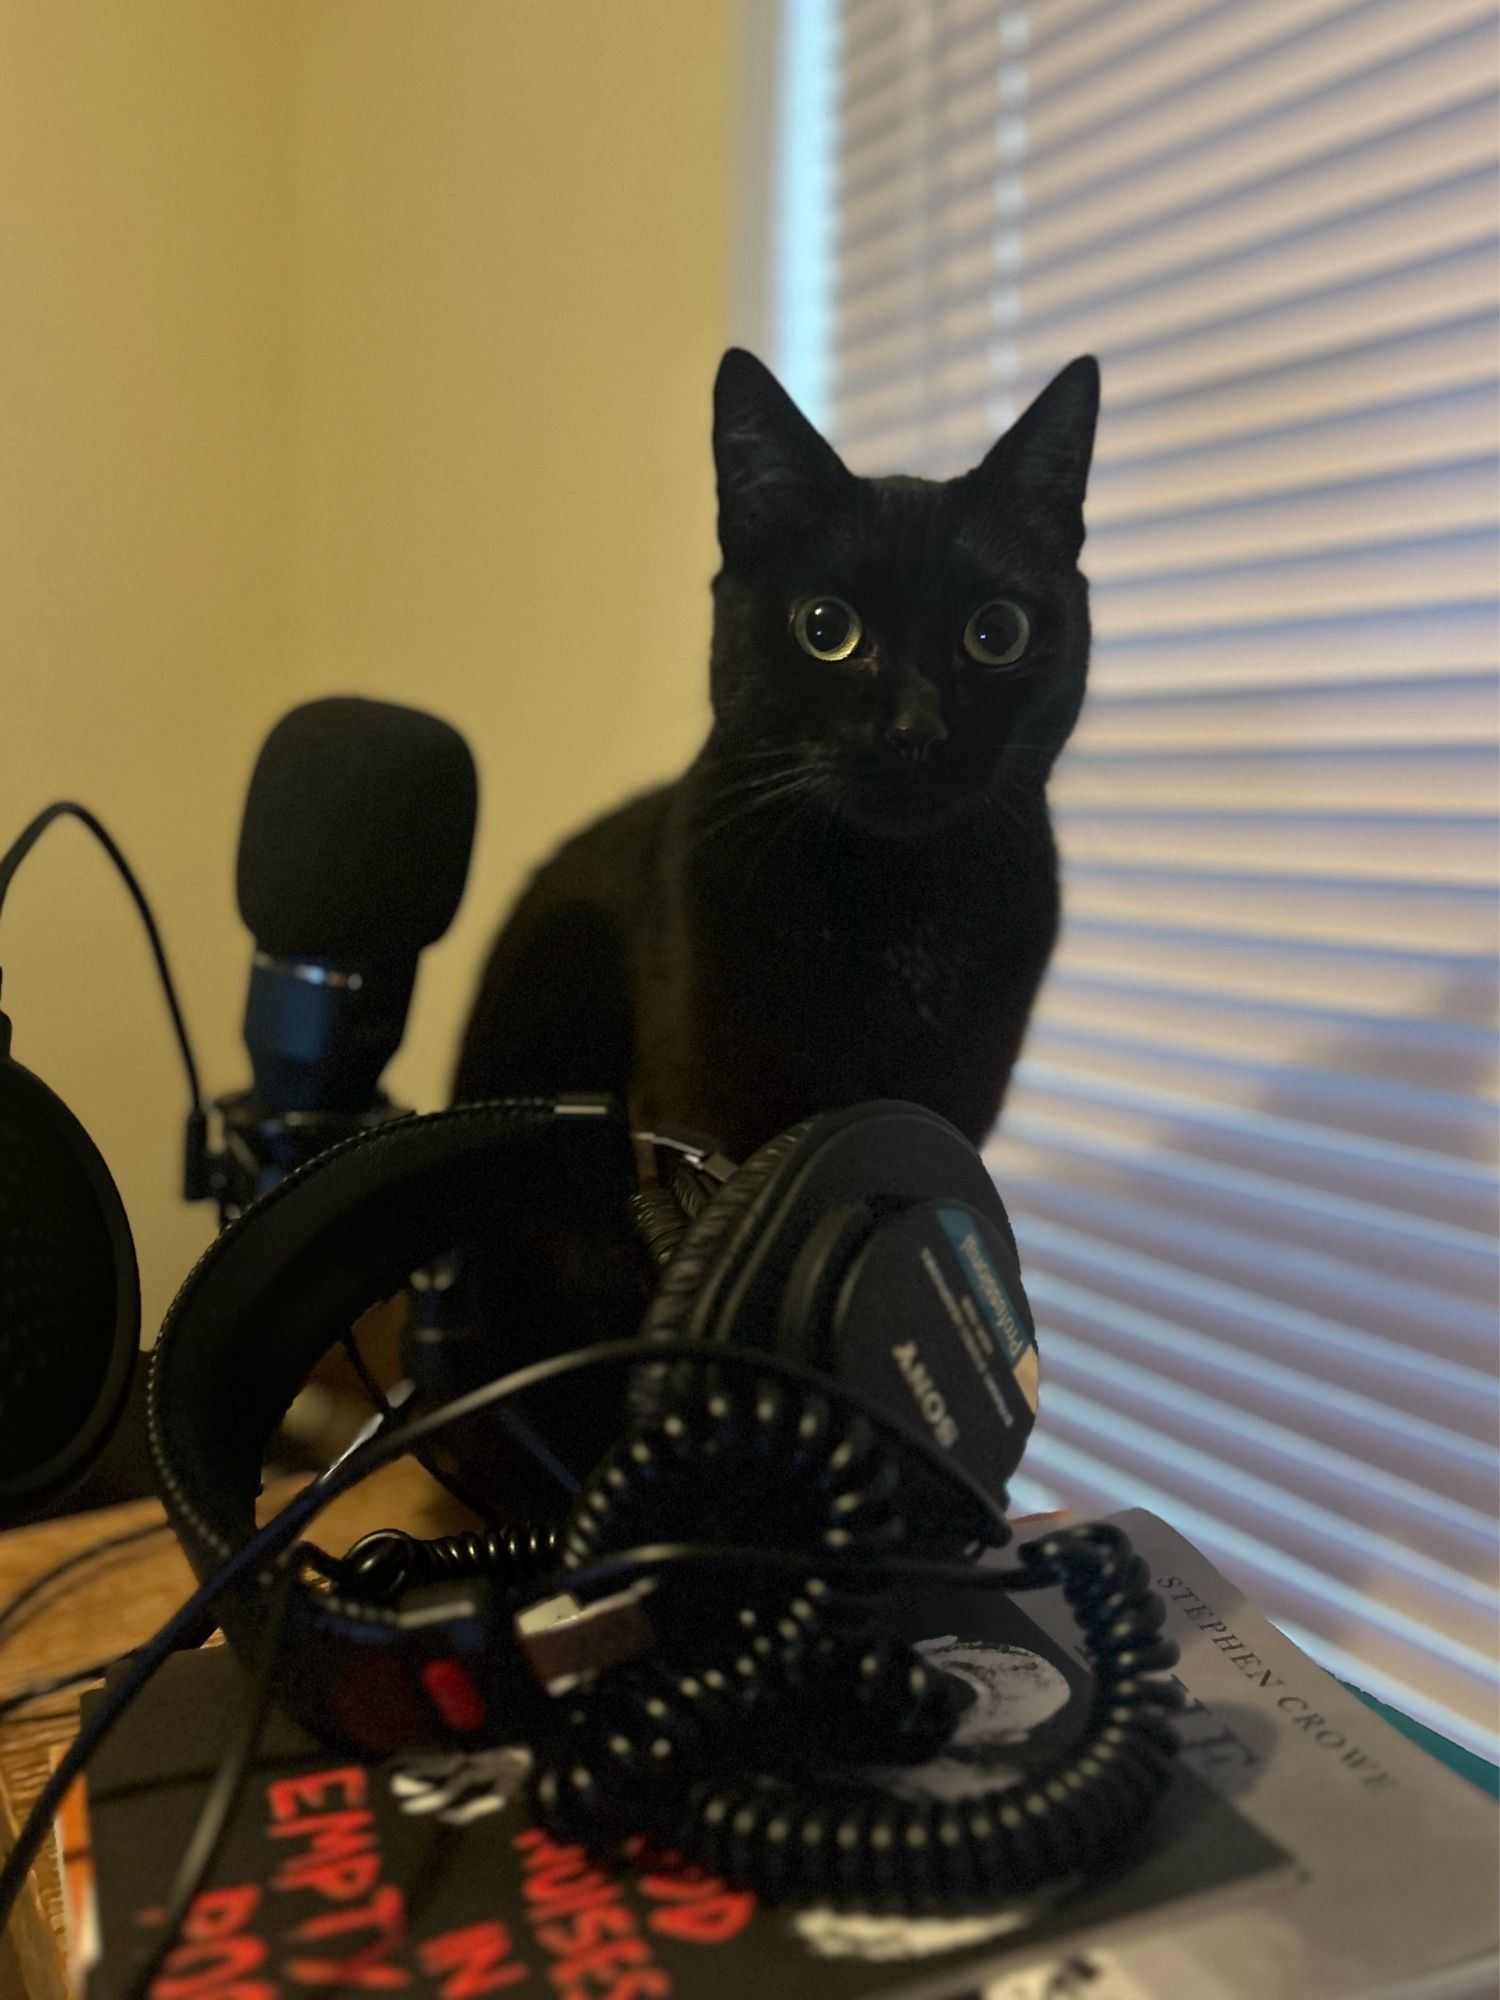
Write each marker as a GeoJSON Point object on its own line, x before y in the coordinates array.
{"type": "Point", "coordinates": [1043, 460]}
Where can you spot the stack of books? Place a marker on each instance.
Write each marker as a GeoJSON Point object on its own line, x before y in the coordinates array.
{"type": "Point", "coordinates": [1305, 1848]}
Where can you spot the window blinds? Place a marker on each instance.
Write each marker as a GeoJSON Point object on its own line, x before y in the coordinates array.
{"type": "Point", "coordinates": [1250, 1149]}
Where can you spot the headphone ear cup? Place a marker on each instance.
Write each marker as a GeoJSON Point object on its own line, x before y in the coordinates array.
{"type": "Point", "coordinates": [698, 1255]}
{"type": "Point", "coordinates": [697, 1258]}
{"type": "Point", "coordinates": [70, 1313]}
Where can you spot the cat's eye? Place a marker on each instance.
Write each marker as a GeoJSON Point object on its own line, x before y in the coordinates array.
{"type": "Point", "coordinates": [827, 627]}
{"type": "Point", "coordinates": [997, 634]}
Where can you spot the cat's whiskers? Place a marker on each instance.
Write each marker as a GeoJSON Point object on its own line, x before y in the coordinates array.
{"type": "Point", "coordinates": [760, 781]}
{"type": "Point", "coordinates": [767, 781]}
{"type": "Point", "coordinates": [735, 784]}
{"type": "Point", "coordinates": [792, 789]}
{"type": "Point", "coordinates": [800, 752]}
{"type": "Point", "coordinates": [731, 807]}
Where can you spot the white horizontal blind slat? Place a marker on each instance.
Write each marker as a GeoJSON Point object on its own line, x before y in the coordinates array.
{"type": "Point", "coordinates": [1250, 1149]}
{"type": "Point", "coordinates": [1434, 708]}
{"type": "Point", "coordinates": [1440, 776]}
{"type": "Point", "coordinates": [1398, 176]}
{"type": "Point", "coordinates": [1360, 1391]}
{"type": "Point", "coordinates": [1372, 154]}
{"type": "Point", "coordinates": [1455, 493]}
{"type": "Point", "coordinates": [1405, 1059]}
{"type": "Point", "coordinates": [1432, 1119]}
{"type": "Point", "coordinates": [1125, 1211]}
{"type": "Point", "coordinates": [1278, 907]}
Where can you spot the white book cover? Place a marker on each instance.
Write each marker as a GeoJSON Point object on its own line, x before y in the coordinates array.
{"type": "Point", "coordinates": [1396, 1894]}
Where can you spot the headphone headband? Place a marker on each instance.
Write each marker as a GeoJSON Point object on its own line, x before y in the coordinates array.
{"type": "Point", "coordinates": [289, 1277]}
{"type": "Point", "coordinates": [865, 1258]}
{"type": "Point", "coordinates": [848, 1244]}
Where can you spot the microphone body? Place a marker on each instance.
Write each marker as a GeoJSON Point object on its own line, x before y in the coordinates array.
{"type": "Point", "coordinates": [353, 854]}
{"type": "Point", "coordinates": [320, 1035]}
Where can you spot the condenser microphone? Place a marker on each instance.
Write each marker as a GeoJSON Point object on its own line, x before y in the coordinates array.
{"type": "Point", "coordinates": [353, 853]}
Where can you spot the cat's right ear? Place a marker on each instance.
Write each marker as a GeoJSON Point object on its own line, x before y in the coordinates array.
{"type": "Point", "coordinates": [769, 459]}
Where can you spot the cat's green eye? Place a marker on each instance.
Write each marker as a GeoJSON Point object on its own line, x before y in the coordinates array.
{"type": "Point", "coordinates": [827, 627]}
{"type": "Point", "coordinates": [998, 633]}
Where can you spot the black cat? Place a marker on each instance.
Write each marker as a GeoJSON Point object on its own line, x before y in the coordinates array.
{"type": "Point", "coordinates": [851, 892]}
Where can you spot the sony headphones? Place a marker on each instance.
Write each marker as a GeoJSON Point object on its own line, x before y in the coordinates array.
{"type": "Point", "coordinates": [775, 1391]}
{"type": "Point", "coordinates": [869, 1245]}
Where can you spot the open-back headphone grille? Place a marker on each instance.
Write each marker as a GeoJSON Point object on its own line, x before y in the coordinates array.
{"type": "Point", "coordinates": [69, 1297]}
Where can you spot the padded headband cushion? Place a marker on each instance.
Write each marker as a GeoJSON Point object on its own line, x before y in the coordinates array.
{"type": "Point", "coordinates": [708, 1240]}
{"type": "Point", "coordinates": [287, 1280]}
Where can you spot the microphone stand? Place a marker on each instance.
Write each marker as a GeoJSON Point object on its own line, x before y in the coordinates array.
{"type": "Point", "coordinates": [258, 1149]}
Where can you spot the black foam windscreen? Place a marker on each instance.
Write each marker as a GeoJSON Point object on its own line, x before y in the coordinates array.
{"type": "Point", "coordinates": [357, 833]}
{"type": "Point", "coordinates": [70, 1309]}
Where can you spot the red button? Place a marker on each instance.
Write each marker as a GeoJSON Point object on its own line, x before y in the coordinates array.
{"type": "Point", "coordinates": [453, 1694]}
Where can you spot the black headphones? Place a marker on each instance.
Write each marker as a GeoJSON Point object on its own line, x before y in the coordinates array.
{"type": "Point", "coordinates": [820, 1370]}
{"type": "Point", "coordinates": [869, 1244]}
{"type": "Point", "coordinates": [70, 1309]}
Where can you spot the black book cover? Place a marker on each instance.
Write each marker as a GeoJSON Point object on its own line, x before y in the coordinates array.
{"type": "Point", "coordinates": [426, 1877]}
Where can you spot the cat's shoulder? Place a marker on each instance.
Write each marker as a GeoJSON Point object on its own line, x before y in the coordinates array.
{"type": "Point", "coordinates": [610, 861]}
{"type": "Point", "coordinates": [639, 821]}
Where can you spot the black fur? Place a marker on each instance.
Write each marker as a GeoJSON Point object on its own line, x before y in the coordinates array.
{"type": "Point", "coordinates": [851, 892]}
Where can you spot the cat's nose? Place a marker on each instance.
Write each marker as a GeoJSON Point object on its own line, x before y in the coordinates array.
{"type": "Point", "coordinates": [914, 735]}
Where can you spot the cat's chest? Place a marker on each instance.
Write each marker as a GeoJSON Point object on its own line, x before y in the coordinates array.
{"type": "Point", "coordinates": [900, 951]}
{"type": "Point", "coordinates": [924, 971]}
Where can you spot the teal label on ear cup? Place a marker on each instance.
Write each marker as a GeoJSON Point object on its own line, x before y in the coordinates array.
{"type": "Point", "coordinates": [932, 1326]}
{"type": "Point", "coordinates": [986, 1285]}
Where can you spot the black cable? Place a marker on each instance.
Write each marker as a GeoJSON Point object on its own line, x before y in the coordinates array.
{"type": "Point", "coordinates": [213, 1820]}
{"type": "Point", "coordinates": [742, 1738]}
{"type": "Point", "coordinates": [610, 1573]}
{"type": "Point", "coordinates": [679, 1759]}
{"type": "Point", "coordinates": [451, 1482]}
{"type": "Point", "coordinates": [271, 1543]}
{"type": "Point", "coordinates": [9, 1612]}
{"type": "Point", "coordinates": [366, 1375]}
{"type": "Point", "coordinates": [17, 852]}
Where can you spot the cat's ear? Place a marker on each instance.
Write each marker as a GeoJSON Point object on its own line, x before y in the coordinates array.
{"type": "Point", "coordinates": [769, 458]}
{"type": "Point", "coordinates": [1042, 462]}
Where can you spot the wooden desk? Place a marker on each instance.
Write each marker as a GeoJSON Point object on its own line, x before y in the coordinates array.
{"type": "Point", "coordinates": [102, 1609]}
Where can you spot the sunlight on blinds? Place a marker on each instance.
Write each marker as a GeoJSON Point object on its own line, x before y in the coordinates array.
{"type": "Point", "coordinates": [1250, 1152]}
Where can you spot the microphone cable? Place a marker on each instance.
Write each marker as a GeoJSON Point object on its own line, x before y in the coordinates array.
{"type": "Point", "coordinates": [17, 852]}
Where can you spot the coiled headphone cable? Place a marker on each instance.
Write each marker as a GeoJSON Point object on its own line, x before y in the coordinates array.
{"type": "Point", "coordinates": [742, 1742]}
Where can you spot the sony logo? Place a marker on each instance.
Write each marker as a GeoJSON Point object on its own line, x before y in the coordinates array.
{"type": "Point", "coordinates": [925, 1392]}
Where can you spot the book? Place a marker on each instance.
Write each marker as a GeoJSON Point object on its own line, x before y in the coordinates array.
{"type": "Point", "coordinates": [1398, 1857]}
{"type": "Point", "coordinates": [426, 1876]}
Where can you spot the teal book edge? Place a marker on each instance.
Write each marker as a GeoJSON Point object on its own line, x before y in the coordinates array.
{"type": "Point", "coordinates": [1465, 1762]}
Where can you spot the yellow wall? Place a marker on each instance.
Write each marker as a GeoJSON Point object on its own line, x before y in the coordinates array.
{"type": "Point", "coordinates": [347, 345]}
{"type": "Point", "coordinates": [515, 279]}
{"type": "Point", "coordinates": [147, 350]}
